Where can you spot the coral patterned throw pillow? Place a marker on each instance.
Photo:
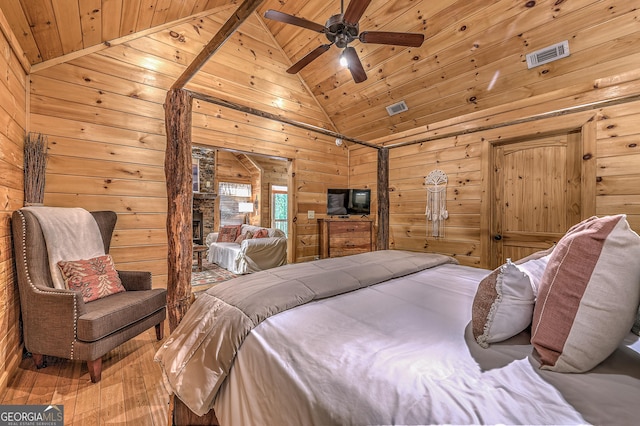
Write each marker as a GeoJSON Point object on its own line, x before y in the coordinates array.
{"type": "Point", "coordinates": [95, 278]}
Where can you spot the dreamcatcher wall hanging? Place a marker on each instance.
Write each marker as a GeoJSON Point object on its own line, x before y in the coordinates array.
{"type": "Point", "coordinates": [436, 212]}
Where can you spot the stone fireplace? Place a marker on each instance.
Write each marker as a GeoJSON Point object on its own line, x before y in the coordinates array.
{"type": "Point", "coordinates": [204, 200]}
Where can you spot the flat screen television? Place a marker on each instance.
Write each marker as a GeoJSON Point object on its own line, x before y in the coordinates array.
{"type": "Point", "coordinates": [344, 202]}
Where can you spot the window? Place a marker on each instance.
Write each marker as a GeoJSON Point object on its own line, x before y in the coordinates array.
{"type": "Point", "coordinates": [279, 208]}
{"type": "Point", "coordinates": [234, 189]}
{"type": "Point", "coordinates": [231, 195]}
{"type": "Point", "coordinates": [195, 170]}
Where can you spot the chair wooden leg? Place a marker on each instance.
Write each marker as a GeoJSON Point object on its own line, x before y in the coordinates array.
{"type": "Point", "coordinates": [160, 330]}
{"type": "Point", "coordinates": [95, 370]}
{"type": "Point", "coordinates": [38, 360]}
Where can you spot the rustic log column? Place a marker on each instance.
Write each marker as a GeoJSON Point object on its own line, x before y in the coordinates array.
{"type": "Point", "coordinates": [178, 173]}
{"type": "Point", "coordinates": [383, 199]}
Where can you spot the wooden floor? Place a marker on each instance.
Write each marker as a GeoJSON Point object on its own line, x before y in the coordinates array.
{"type": "Point", "coordinates": [130, 392]}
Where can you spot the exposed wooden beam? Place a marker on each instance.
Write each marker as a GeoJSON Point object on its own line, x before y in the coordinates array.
{"type": "Point", "coordinates": [529, 119]}
{"type": "Point", "coordinates": [382, 242]}
{"type": "Point", "coordinates": [178, 172]}
{"type": "Point", "coordinates": [270, 116]}
{"type": "Point", "coordinates": [235, 20]}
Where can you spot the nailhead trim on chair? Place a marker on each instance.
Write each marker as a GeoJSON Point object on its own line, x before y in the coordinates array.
{"type": "Point", "coordinates": [36, 289]}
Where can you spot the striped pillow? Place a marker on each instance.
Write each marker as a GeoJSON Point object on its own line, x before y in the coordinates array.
{"type": "Point", "coordinates": [589, 295]}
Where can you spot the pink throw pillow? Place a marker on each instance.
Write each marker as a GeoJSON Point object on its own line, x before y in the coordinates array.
{"type": "Point", "coordinates": [261, 233]}
{"type": "Point", "coordinates": [228, 233]}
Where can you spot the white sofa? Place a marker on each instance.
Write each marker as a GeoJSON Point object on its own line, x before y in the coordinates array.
{"type": "Point", "coordinates": [251, 255]}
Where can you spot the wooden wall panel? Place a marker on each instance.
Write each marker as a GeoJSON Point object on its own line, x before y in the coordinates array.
{"type": "Point", "coordinates": [104, 117]}
{"type": "Point", "coordinates": [462, 157]}
{"type": "Point", "coordinates": [105, 123]}
{"type": "Point", "coordinates": [13, 127]}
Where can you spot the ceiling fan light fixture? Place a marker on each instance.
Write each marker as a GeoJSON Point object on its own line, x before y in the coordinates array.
{"type": "Point", "coordinates": [343, 60]}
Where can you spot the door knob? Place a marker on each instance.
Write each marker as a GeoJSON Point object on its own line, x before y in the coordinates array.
{"type": "Point", "coordinates": [497, 237]}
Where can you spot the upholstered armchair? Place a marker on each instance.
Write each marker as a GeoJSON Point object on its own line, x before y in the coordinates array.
{"type": "Point", "coordinates": [59, 321]}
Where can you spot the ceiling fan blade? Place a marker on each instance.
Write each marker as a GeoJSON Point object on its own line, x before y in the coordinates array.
{"type": "Point", "coordinates": [294, 20]}
{"type": "Point", "coordinates": [355, 10]}
{"type": "Point", "coordinates": [354, 64]}
{"type": "Point", "coordinates": [397, 39]}
{"type": "Point", "coordinates": [306, 60]}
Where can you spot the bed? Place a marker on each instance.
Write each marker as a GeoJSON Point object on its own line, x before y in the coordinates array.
{"type": "Point", "coordinates": [385, 337]}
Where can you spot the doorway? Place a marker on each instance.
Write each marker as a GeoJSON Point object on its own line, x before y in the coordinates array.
{"type": "Point", "coordinates": [536, 194]}
{"type": "Point", "coordinates": [256, 172]}
{"type": "Point", "coordinates": [539, 184]}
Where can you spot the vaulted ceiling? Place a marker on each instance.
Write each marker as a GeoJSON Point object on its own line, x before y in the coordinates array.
{"type": "Point", "coordinates": [473, 57]}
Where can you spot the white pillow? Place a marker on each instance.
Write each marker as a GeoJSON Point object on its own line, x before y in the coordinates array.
{"type": "Point", "coordinates": [534, 269]}
{"type": "Point", "coordinates": [503, 305]}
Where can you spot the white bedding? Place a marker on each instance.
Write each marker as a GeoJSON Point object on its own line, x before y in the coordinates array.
{"type": "Point", "coordinates": [393, 353]}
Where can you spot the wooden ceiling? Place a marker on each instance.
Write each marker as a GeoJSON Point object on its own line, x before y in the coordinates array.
{"type": "Point", "coordinates": [473, 57]}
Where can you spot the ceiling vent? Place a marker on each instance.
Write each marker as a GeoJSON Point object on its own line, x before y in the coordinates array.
{"type": "Point", "coordinates": [548, 54]}
{"type": "Point", "coordinates": [397, 108]}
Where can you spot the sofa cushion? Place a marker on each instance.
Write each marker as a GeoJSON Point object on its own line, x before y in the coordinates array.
{"type": "Point", "coordinates": [95, 278]}
{"type": "Point", "coordinates": [228, 233]}
{"type": "Point", "coordinates": [261, 233]}
{"type": "Point", "coordinates": [107, 315]}
{"type": "Point", "coordinates": [244, 236]}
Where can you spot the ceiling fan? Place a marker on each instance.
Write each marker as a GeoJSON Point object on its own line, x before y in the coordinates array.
{"type": "Point", "coordinates": [342, 29]}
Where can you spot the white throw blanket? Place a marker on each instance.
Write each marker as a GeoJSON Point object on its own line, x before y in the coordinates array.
{"type": "Point", "coordinates": [70, 234]}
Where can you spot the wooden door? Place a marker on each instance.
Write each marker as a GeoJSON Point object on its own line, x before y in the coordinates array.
{"type": "Point", "coordinates": [537, 197]}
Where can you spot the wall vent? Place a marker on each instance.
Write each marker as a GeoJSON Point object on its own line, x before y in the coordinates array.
{"type": "Point", "coordinates": [397, 108]}
{"type": "Point", "coordinates": [548, 54]}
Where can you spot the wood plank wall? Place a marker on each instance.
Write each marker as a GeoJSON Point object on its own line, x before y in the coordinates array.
{"type": "Point", "coordinates": [13, 126]}
{"type": "Point", "coordinates": [317, 163]}
{"type": "Point", "coordinates": [617, 157]}
{"type": "Point", "coordinates": [274, 172]}
{"type": "Point", "coordinates": [103, 114]}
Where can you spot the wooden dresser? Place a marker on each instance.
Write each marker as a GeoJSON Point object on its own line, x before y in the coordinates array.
{"type": "Point", "coordinates": [345, 236]}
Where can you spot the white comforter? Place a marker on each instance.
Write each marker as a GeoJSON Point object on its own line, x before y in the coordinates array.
{"type": "Point", "coordinates": [393, 353]}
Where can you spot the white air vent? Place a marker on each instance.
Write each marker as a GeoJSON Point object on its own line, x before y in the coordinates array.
{"type": "Point", "coordinates": [548, 54]}
{"type": "Point", "coordinates": [397, 108]}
